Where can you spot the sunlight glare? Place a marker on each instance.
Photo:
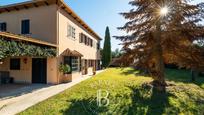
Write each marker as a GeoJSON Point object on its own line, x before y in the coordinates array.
{"type": "Point", "coordinates": [164, 11]}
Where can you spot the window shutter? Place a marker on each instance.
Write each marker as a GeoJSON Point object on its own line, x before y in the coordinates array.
{"type": "Point", "coordinates": [88, 41]}
{"type": "Point", "coordinates": [25, 27]}
{"type": "Point", "coordinates": [85, 41]}
{"type": "Point", "coordinates": [91, 43]}
{"type": "Point", "coordinates": [28, 26]}
{"type": "Point", "coordinates": [80, 37]}
{"type": "Point", "coordinates": [3, 27]}
{"type": "Point", "coordinates": [69, 30]}
{"type": "Point", "coordinates": [0, 26]}
{"type": "Point", "coordinates": [73, 32]}
{"type": "Point", "coordinates": [22, 27]}
{"type": "Point", "coordinates": [98, 46]}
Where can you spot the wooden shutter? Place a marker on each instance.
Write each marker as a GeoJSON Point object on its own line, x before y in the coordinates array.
{"type": "Point", "coordinates": [25, 27]}
{"type": "Point", "coordinates": [91, 43]}
{"type": "Point", "coordinates": [80, 37]}
{"type": "Point", "coordinates": [69, 30]}
{"type": "Point", "coordinates": [3, 27]}
{"type": "Point", "coordinates": [85, 41]}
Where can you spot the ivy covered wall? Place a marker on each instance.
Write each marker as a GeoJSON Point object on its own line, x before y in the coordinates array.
{"type": "Point", "coordinates": [16, 48]}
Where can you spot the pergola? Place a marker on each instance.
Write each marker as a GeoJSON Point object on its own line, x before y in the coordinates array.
{"type": "Point", "coordinates": [18, 45]}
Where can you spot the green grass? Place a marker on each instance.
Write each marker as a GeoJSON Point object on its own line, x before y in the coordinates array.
{"type": "Point", "coordinates": [127, 96]}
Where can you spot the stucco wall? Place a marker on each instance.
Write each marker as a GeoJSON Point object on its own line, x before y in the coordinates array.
{"type": "Point", "coordinates": [42, 22]}
{"type": "Point", "coordinates": [24, 75]}
{"type": "Point", "coordinates": [52, 69]}
{"type": "Point", "coordinates": [67, 42]}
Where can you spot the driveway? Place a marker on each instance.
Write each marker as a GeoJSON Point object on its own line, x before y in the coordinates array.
{"type": "Point", "coordinates": [17, 104]}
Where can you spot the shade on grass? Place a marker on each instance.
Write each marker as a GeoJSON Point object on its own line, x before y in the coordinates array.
{"type": "Point", "coordinates": [127, 95]}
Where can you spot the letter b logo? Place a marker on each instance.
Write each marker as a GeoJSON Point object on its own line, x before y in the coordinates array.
{"type": "Point", "coordinates": [102, 100]}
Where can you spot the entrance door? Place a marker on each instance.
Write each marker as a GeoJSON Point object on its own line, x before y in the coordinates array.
{"type": "Point", "coordinates": [39, 70]}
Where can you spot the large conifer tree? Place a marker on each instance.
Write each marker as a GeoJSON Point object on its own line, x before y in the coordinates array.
{"type": "Point", "coordinates": [163, 31]}
{"type": "Point", "coordinates": [106, 53]}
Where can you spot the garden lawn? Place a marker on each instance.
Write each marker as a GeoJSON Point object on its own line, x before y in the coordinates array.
{"type": "Point", "coordinates": [127, 95]}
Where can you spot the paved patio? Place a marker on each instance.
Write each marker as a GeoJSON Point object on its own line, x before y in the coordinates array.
{"type": "Point", "coordinates": [11, 106]}
{"type": "Point", "coordinates": [6, 88]}
{"type": "Point", "coordinates": [13, 90]}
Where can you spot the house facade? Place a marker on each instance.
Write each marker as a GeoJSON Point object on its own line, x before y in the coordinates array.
{"type": "Point", "coordinates": [48, 23]}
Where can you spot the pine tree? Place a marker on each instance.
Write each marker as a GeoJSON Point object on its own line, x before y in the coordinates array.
{"type": "Point", "coordinates": [116, 54]}
{"type": "Point", "coordinates": [163, 31]}
{"type": "Point", "coordinates": [106, 54]}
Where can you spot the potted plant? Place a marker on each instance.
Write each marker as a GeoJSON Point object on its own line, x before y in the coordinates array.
{"type": "Point", "coordinates": [65, 69]}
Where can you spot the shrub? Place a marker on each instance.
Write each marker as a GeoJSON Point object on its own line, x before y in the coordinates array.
{"type": "Point", "coordinates": [65, 68]}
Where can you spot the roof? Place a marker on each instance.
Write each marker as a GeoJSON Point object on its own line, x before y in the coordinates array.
{"type": "Point", "coordinates": [25, 38]}
{"type": "Point", "coordinates": [68, 52]}
{"type": "Point", "coordinates": [37, 3]}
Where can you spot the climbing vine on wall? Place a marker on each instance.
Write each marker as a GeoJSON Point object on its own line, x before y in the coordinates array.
{"type": "Point", "coordinates": [14, 48]}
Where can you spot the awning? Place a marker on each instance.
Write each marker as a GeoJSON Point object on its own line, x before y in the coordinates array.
{"type": "Point", "coordinates": [68, 52]}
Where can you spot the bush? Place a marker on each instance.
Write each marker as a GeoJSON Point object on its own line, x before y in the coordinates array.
{"type": "Point", "coordinates": [65, 68]}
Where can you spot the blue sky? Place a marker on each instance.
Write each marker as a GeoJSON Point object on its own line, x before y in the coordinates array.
{"type": "Point", "coordinates": [98, 14]}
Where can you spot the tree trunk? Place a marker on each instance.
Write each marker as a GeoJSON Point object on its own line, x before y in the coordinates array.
{"type": "Point", "coordinates": [159, 79]}
{"type": "Point", "coordinates": [192, 75]}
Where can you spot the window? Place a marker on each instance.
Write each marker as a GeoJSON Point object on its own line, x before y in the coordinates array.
{"type": "Point", "coordinates": [83, 38]}
{"type": "Point", "coordinates": [98, 46]}
{"type": "Point", "coordinates": [86, 40]}
{"type": "Point", "coordinates": [3, 27]}
{"type": "Point", "coordinates": [67, 60]}
{"type": "Point", "coordinates": [75, 63]}
{"type": "Point", "coordinates": [80, 38]}
{"type": "Point", "coordinates": [71, 31]}
{"type": "Point", "coordinates": [25, 27]}
{"type": "Point", "coordinates": [80, 64]}
{"type": "Point", "coordinates": [15, 64]}
{"type": "Point", "coordinates": [91, 63]}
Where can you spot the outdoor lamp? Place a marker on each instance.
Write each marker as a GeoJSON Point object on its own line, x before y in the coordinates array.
{"type": "Point", "coordinates": [1, 62]}
{"type": "Point", "coordinates": [25, 60]}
